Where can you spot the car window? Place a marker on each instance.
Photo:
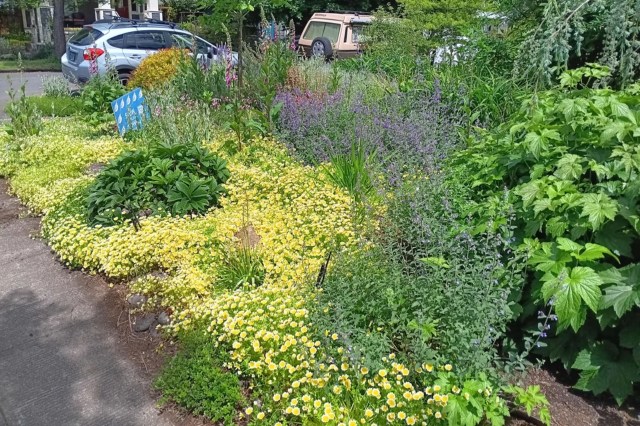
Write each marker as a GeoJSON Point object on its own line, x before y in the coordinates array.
{"type": "Point", "coordinates": [182, 41]}
{"type": "Point", "coordinates": [130, 41]}
{"type": "Point", "coordinates": [203, 46]}
{"type": "Point", "coordinates": [86, 36]}
{"type": "Point", "coordinates": [150, 40]}
{"type": "Point", "coordinates": [322, 29]}
{"type": "Point", "coordinates": [117, 41]}
{"type": "Point", "coordinates": [357, 35]}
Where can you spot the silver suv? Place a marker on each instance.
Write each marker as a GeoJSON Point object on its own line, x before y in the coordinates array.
{"type": "Point", "coordinates": [124, 44]}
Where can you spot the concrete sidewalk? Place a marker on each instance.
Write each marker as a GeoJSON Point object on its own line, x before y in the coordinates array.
{"type": "Point", "coordinates": [60, 361]}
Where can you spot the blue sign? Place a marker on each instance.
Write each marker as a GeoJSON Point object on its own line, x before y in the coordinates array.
{"type": "Point", "coordinates": [130, 111]}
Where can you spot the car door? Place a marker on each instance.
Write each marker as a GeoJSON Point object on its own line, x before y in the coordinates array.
{"type": "Point", "coordinates": [139, 44]}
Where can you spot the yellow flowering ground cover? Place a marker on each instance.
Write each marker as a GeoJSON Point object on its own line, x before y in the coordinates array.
{"type": "Point", "coordinates": [295, 373]}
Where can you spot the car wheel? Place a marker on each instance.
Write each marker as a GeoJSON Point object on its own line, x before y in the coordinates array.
{"type": "Point", "coordinates": [124, 77]}
{"type": "Point", "coordinates": [321, 48]}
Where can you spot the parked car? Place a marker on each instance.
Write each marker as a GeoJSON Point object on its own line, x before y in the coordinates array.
{"type": "Point", "coordinates": [124, 44]}
{"type": "Point", "coordinates": [334, 35]}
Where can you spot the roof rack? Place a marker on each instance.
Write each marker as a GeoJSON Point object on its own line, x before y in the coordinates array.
{"type": "Point", "coordinates": [353, 12]}
{"type": "Point", "coordinates": [119, 22]}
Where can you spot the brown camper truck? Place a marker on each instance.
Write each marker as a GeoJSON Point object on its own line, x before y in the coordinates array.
{"type": "Point", "coordinates": [334, 35]}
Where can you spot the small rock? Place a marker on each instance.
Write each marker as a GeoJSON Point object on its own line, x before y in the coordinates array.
{"type": "Point", "coordinates": [96, 168]}
{"type": "Point", "coordinates": [143, 322]}
{"type": "Point", "coordinates": [153, 330]}
{"type": "Point", "coordinates": [136, 300]}
{"type": "Point", "coordinates": [163, 318]}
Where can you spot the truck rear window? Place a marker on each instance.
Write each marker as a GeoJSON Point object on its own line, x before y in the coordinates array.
{"type": "Point", "coordinates": [322, 29]}
{"type": "Point", "coordinates": [86, 36]}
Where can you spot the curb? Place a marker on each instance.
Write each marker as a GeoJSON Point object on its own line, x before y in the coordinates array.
{"type": "Point", "coordinates": [26, 71]}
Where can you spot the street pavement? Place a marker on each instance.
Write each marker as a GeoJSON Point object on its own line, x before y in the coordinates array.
{"type": "Point", "coordinates": [33, 85]}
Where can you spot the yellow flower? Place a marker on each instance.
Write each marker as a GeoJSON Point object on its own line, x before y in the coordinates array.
{"type": "Point", "coordinates": [368, 413]}
{"type": "Point", "coordinates": [411, 420]}
{"type": "Point", "coordinates": [260, 415]}
{"type": "Point", "coordinates": [249, 410]}
{"type": "Point", "coordinates": [317, 403]}
{"type": "Point", "coordinates": [352, 423]}
{"type": "Point", "coordinates": [364, 370]}
{"type": "Point", "coordinates": [437, 415]}
{"type": "Point", "coordinates": [448, 367]}
{"type": "Point", "coordinates": [455, 389]}
{"type": "Point", "coordinates": [296, 411]}
{"type": "Point", "coordinates": [391, 417]}
{"type": "Point", "coordinates": [402, 415]}
{"type": "Point", "coordinates": [334, 336]}
{"type": "Point", "coordinates": [276, 397]}
{"type": "Point", "coordinates": [437, 388]}
{"type": "Point", "coordinates": [382, 373]}
{"type": "Point", "coordinates": [428, 367]}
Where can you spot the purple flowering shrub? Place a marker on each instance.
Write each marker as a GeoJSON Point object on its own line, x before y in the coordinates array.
{"type": "Point", "coordinates": [405, 131]}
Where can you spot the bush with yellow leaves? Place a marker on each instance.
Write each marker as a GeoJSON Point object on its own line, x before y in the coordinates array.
{"type": "Point", "coordinates": [157, 69]}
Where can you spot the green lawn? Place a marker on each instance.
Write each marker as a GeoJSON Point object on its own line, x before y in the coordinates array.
{"type": "Point", "coordinates": [47, 64]}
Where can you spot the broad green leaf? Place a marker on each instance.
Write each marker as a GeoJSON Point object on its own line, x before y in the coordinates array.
{"type": "Point", "coordinates": [568, 245]}
{"type": "Point", "coordinates": [568, 167]}
{"type": "Point", "coordinates": [630, 336]}
{"type": "Point", "coordinates": [586, 283]}
{"type": "Point", "coordinates": [621, 297]}
{"type": "Point", "coordinates": [594, 252]}
{"type": "Point", "coordinates": [598, 208]}
{"type": "Point", "coordinates": [620, 109]}
{"type": "Point", "coordinates": [535, 143]}
{"type": "Point", "coordinates": [528, 192]}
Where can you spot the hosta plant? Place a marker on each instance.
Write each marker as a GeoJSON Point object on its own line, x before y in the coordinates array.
{"type": "Point", "coordinates": [162, 179]}
{"type": "Point", "coordinates": [571, 160]}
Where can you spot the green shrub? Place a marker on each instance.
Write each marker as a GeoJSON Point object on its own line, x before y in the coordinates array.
{"type": "Point", "coordinates": [195, 380]}
{"type": "Point", "coordinates": [97, 96]}
{"type": "Point", "coordinates": [161, 179]}
{"type": "Point", "coordinates": [26, 118]}
{"type": "Point", "coordinates": [571, 161]}
{"type": "Point", "coordinates": [429, 291]}
{"type": "Point", "coordinates": [51, 106]}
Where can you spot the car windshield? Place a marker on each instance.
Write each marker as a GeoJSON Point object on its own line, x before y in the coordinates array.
{"type": "Point", "coordinates": [86, 36]}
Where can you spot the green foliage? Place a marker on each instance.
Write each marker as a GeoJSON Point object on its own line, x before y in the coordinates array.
{"type": "Point", "coordinates": [351, 172]}
{"type": "Point", "coordinates": [429, 291]}
{"type": "Point", "coordinates": [267, 68]}
{"type": "Point", "coordinates": [195, 380]}
{"type": "Point", "coordinates": [531, 399]}
{"type": "Point", "coordinates": [567, 34]}
{"type": "Point", "coordinates": [201, 84]}
{"type": "Point", "coordinates": [97, 96]}
{"type": "Point", "coordinates": [162, 179]}
{"type": "Point", "coordinates": [55, 87]}
{"type": "Point", "coordinates": [56, 106]}
{"type": "Point", "coordinates": [26, 118]}
{"type": "Point", "coordinates": [443, 19]}
{"type": "Point", "coordinates": [572, 162]}
{"type": "Point", "coordinates": [241, 267]}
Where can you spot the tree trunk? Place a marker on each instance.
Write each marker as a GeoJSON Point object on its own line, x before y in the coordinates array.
{"type": "Point", "coordinates": [59, 40]}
